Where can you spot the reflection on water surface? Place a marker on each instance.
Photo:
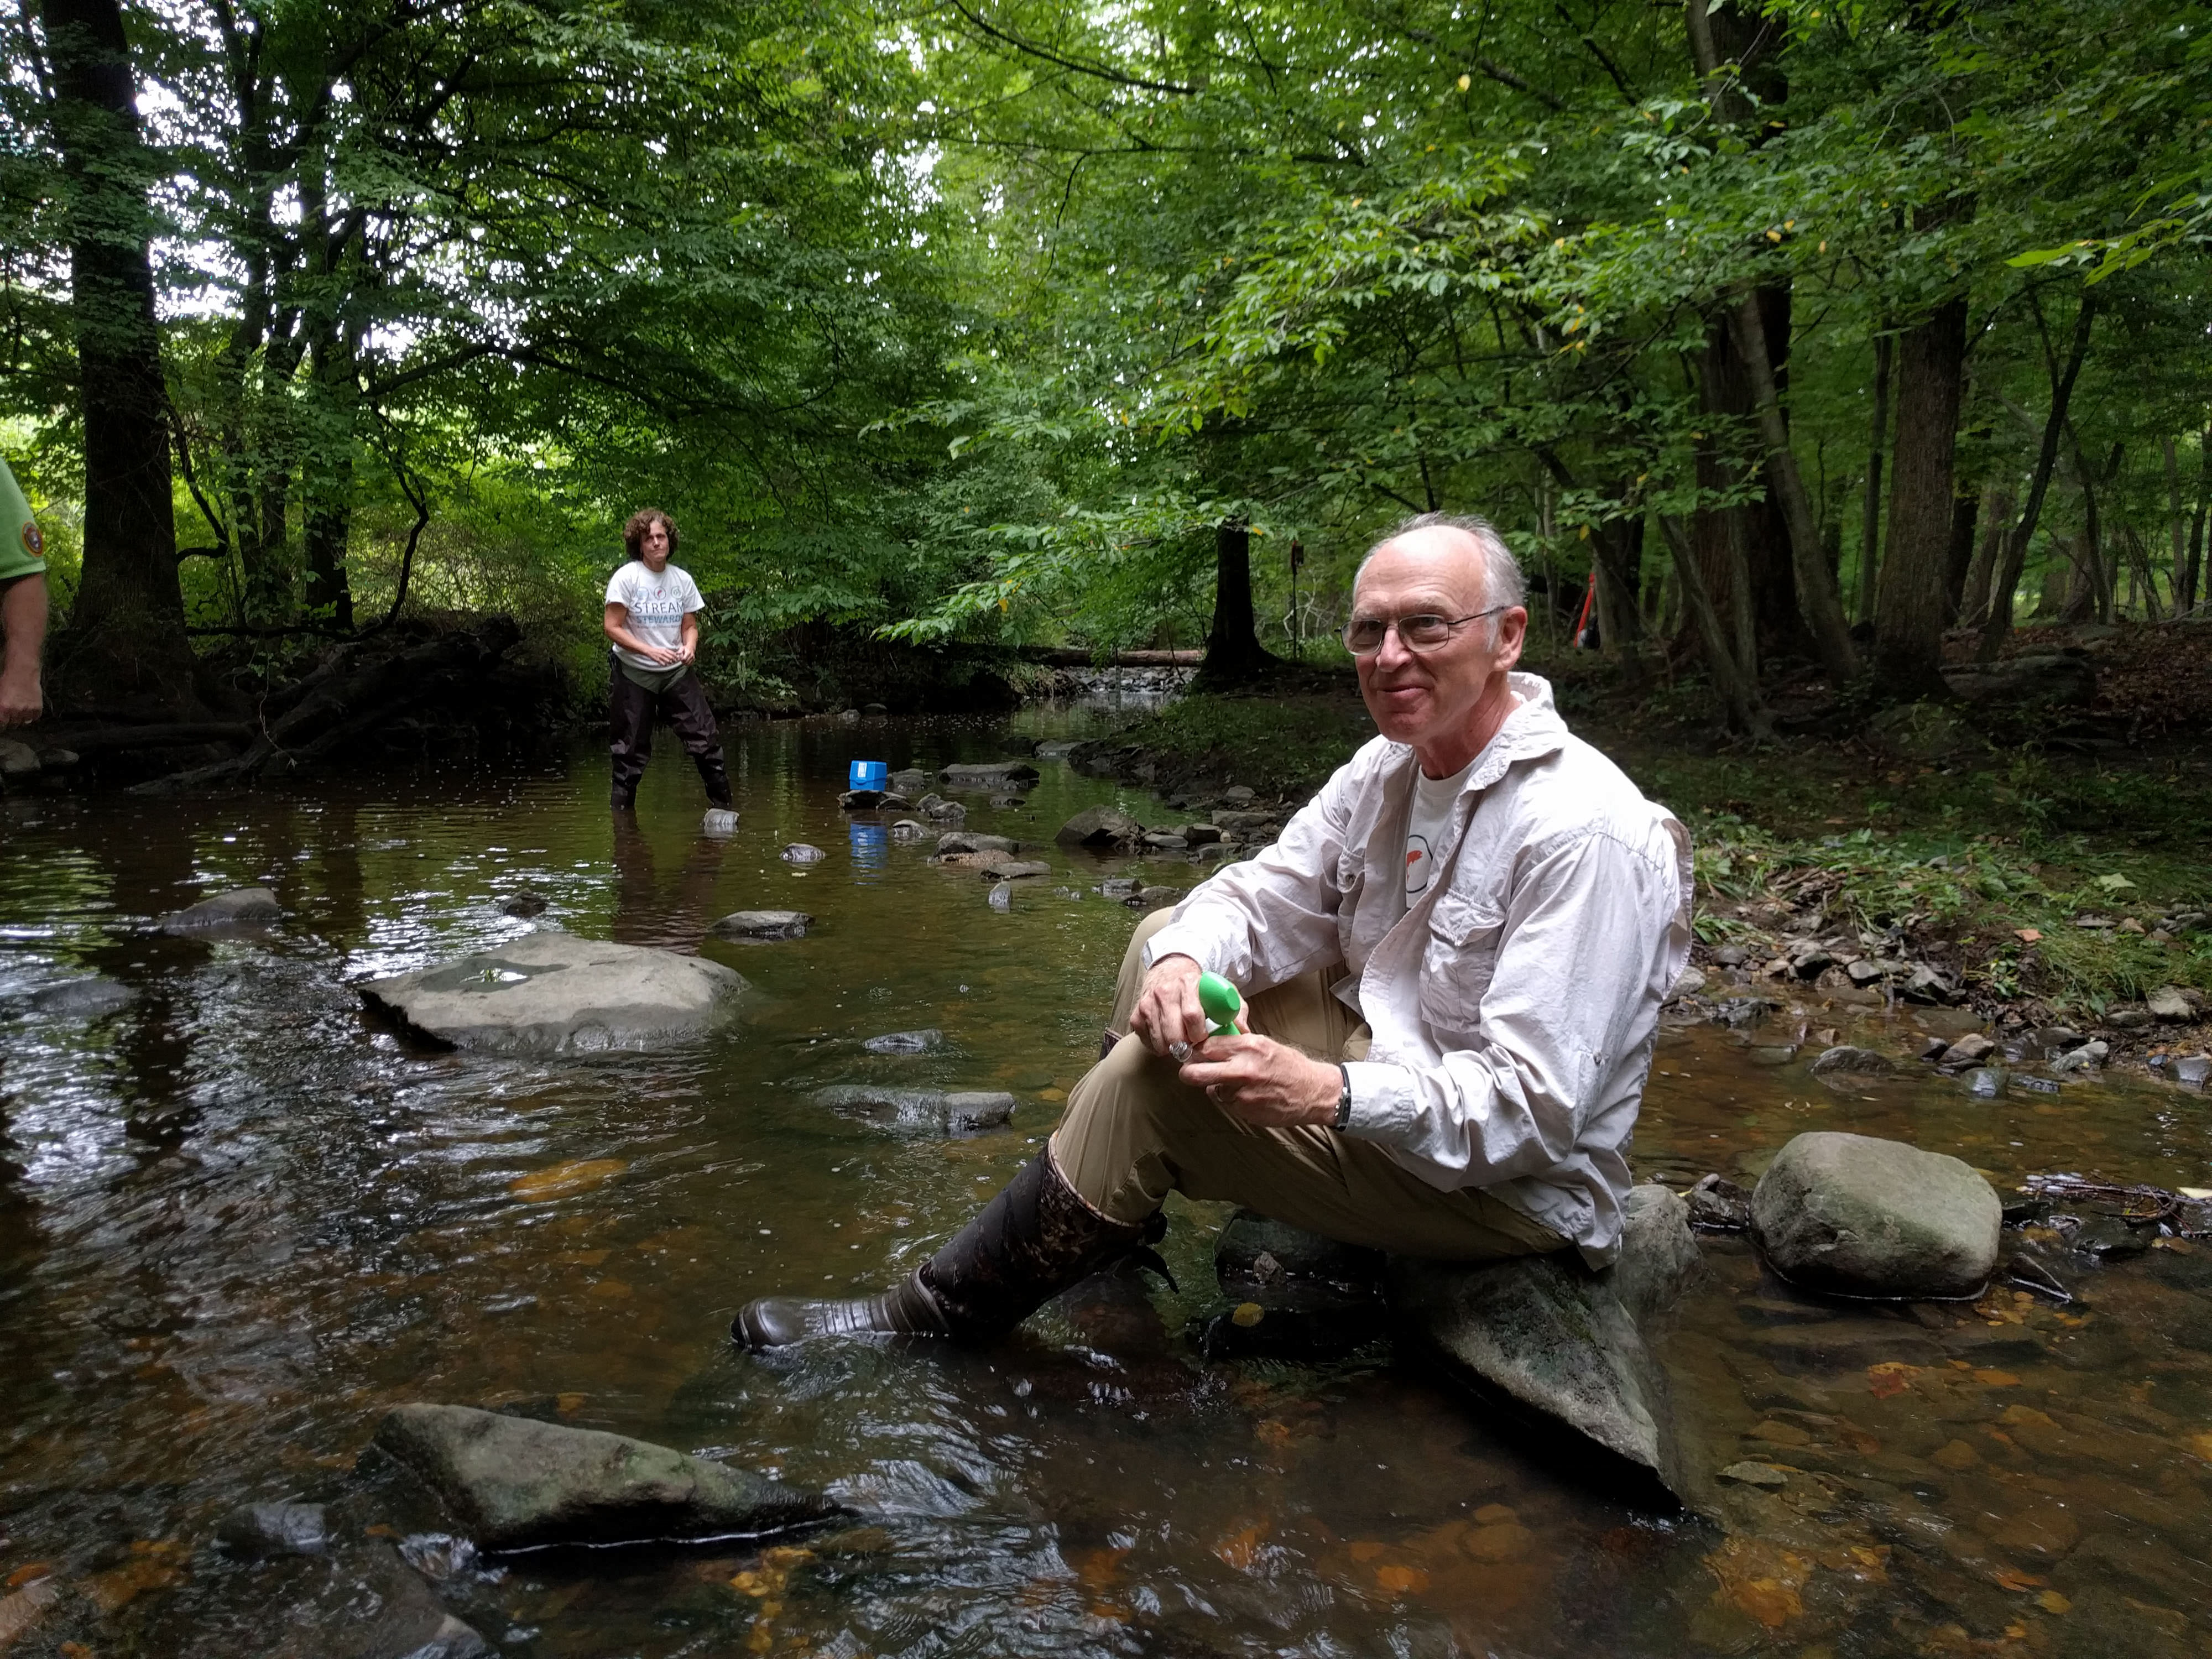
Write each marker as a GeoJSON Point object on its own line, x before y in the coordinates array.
{"type": "Point", "coordinates": [239, 1222]}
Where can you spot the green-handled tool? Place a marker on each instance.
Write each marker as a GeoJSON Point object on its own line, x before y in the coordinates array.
{"type": "Point", "coordinates": [1219, 998]}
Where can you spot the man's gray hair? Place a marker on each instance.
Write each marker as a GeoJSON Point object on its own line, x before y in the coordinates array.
{"type": "Point", "coordinates": [1502, 584]}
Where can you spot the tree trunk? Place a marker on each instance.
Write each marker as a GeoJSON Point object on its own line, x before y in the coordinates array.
{"type": "Point", "coordinates": [1233, 653]}
{"type": "Point", "coordinates": [1739, 691]}
{"type": "Point", "coordinates": [1966, 518]}
{"type": "Point", "coordinates": [1618, 548]}
{"type": "Point", "coordinates": [2054, 425]}
{"type": "Point", "coordinates": [1995, 516]}
{"type": "Point", "coordinates": [1817, 598]}
{"type": "Point", "coordinates": [1877, 451]}
{"type": "Point", "coordinates": [1910, 598]}
{"type": "Point", "coordinates": [126, 641]}
{"type": "Point", "coordinates": [2186, 583]}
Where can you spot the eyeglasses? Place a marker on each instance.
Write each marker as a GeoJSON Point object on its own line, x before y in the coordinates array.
{"type": "Point", "coordinates": [1363, 635]}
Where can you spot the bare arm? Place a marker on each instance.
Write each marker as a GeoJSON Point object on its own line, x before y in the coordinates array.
{"type": "Point", "coordinates": [689, 648]}
{"type": "Point", "coordinates": [23, 622]}
{"type": "Point", "coordinates": [617, 628]}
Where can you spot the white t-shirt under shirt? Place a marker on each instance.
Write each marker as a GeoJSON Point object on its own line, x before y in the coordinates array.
{"type": "Point", "coordinates": [1433, 798]}
{"type": "Point", "coordinates": [657, 604]}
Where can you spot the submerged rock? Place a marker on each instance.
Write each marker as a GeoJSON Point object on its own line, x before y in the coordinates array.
{"type": "Point", "coordinates": [800, 852]}
{"type": "Point", "coordinates": [83, 999]}
{"type": "Point", "coordinates": [719, 821]}
{"type": "Point", "coordinates": [1255, 1246]}
{"type": "Point", "coordinates": [964, 840]}
{"type": "Point", "coordinates": [1844, 1062]}
{"type": "Point", "coordinates": [1289, 1294]}
{"type": "Point", "coordinates": [513, 1483]}
{"type": "Point", "coordinates": [1563, 1342]}
{"type": "Point", "coordinates": [1865, 1217]}
{"type": "Point", "coordinates": [905, 1042]}
{"type": "Point", "coordinates": [907, 829]}
{"type": "Point", "coordinates": [911, 782]}
{"type": "Point", "coordinates": [523, 906]}
{"type": "Point", "coordinates": [244, 906]}
{"type": "Point", "coordinates": [927, 1111]}
{"type": "Point", "coordinates": [253, 1530]}
{"type": "Point", "coordinates": [1015, 870]}
{"type": "Point", "coordinates": [552, 992]}
{"type": "Point", "coordinates": [763, 924]}
{"type": "Point", "coordinates": [988, 774]}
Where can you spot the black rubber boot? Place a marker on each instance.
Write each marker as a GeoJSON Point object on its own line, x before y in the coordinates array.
{"type": "Point", "coordinates": [716, 777]}
{"type": "Point", "coordinates": [1031, 1242]}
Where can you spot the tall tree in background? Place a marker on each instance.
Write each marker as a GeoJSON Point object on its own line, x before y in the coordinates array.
{"type": "Point", "coordinates": [125, 644]}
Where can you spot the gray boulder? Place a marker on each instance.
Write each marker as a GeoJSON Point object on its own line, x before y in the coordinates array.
{"type": "Point", "coordinates": [719, 821]}
{"type": "Point", "coordinates": [2170, 1003]}
{"type": "Point", "coordinates": [18, 760]}
{"type": "Point", "coordinates": [801, 851]}
{"type": "Point", "coordinates": [1100, 826]}
{"type": "Point", "coordinates": [244, 906]}
{"type": "Point", "coordinates": [1865, 1217]}
{"type": "Point", "coordinates": [1564, 1343]}
{"type": "Point", "coordinates": [552, 992]}
{"type": "Point", "coordinates": [511, 1483]}
{"type": "Point", "coordinates": [763, 924]}
{"type": "Point", "coordinates": [988, 774]}
{"type": "Point", "coordinates": [910, 783]}
{"type": "Point", "coordinates": [921, 1111]}
{"type": "Point", "coordinates": [907, 829]}
{"type": "Point", "coordinates": [1015, 869]}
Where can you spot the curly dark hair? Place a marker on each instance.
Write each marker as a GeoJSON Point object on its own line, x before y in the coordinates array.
{"type": "Point", "coordinates": [642, 521]}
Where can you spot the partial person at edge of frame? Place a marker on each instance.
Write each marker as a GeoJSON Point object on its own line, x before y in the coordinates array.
{"type": "Point", "coordinates": [22, 605]}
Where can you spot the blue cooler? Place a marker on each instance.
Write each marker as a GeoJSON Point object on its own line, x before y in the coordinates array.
{"type": "Point", "coordinates": [870, 774]}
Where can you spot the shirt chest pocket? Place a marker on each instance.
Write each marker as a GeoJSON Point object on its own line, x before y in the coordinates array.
{"type": "Point", "coordinates": [1460, 958]}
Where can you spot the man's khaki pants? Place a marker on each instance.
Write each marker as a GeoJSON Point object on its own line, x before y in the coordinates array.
{"type": "Point", "coordinates": [1133, 1131]}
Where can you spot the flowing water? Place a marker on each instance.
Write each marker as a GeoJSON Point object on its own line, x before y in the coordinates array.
{"type": "Point", "coordinates": [239, 1222]}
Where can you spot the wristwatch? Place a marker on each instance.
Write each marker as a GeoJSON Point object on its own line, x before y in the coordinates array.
{"type": "Point", "coordinates": [1343, 1120]}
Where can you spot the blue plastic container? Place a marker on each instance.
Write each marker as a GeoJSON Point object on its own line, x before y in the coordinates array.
{"type": "Point", "coordinates": [870, 774]}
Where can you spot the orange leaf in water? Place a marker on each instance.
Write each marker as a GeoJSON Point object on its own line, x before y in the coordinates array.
{"type": "Point", "coordinates": [1761, 1579]}
{"type": "Point", "coordinates": [2018, 1581]}
{"type": "Point", "coordinates": [2201, 1445]}
{"type": "Point", "coordinates": [2053, 1601]}
{"type": "Point", "coordinates": [1401, 1581]}
{"type": "Point", "coordinates": [1892, 1377]}
{"type": "Point", "coordinates": [1996, 1379]}
{"type": "Point", "coordinates": [28, 1572]}
{"type": "Point", "coordinates": [1240, 1550]}
{"type": "Point", "coordinates": [1367, 1549]}
{"type": "Point", "coordinates": [564, 1180]}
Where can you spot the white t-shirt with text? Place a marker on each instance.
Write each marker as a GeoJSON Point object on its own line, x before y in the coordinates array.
{"type": "Point", "coordinates": [657, 606]}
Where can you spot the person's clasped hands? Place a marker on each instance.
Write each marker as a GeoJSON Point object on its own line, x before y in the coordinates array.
{"type": "Point", "coordinates": [1255, 1078]}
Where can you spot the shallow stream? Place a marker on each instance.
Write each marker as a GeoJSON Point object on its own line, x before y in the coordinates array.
{"type": "Point", "coordinates": [239, 1221]}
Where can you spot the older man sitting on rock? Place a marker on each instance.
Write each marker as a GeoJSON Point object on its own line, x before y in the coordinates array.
{"type": "Point", "coordinates": [1453, 960]}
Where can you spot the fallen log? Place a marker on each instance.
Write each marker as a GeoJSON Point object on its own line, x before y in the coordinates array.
{"type": "Point", "coordinates": [109, 738]}
{"type": "Point", "coordinates": [349, 695]}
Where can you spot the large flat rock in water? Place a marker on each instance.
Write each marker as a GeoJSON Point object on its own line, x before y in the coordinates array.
{"type": "Point", "coordinates": [1862, 1216]}
{"type": "Point", "coordinates": [552, 992]}
{"type": "Point", "coordinates": [1565, 1343]}
{"type": "Point", "coordinates": [515, 1483]}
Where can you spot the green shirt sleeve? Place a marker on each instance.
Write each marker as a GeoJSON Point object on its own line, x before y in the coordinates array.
{"type": "Point", "coordinates": [22, 549]}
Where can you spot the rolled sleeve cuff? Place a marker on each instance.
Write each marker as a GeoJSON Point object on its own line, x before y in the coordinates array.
{"type": "Point", "coordinates": [1381, 1101]}
{"type": "Point", "coordinates": [1182, 939]}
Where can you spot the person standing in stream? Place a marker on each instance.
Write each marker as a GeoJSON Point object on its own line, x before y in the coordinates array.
{"type": "Point", "coordinates": [652, 632]}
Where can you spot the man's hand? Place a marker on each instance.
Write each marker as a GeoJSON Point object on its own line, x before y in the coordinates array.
{"type": "Point", "coordinates": [1167, 1011]}
{"type": "Point", "coordinates": [1264, 1081]}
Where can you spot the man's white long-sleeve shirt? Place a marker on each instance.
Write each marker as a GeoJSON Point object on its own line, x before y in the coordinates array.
{"type": "Point", "coordinates": [1515, 1005]}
